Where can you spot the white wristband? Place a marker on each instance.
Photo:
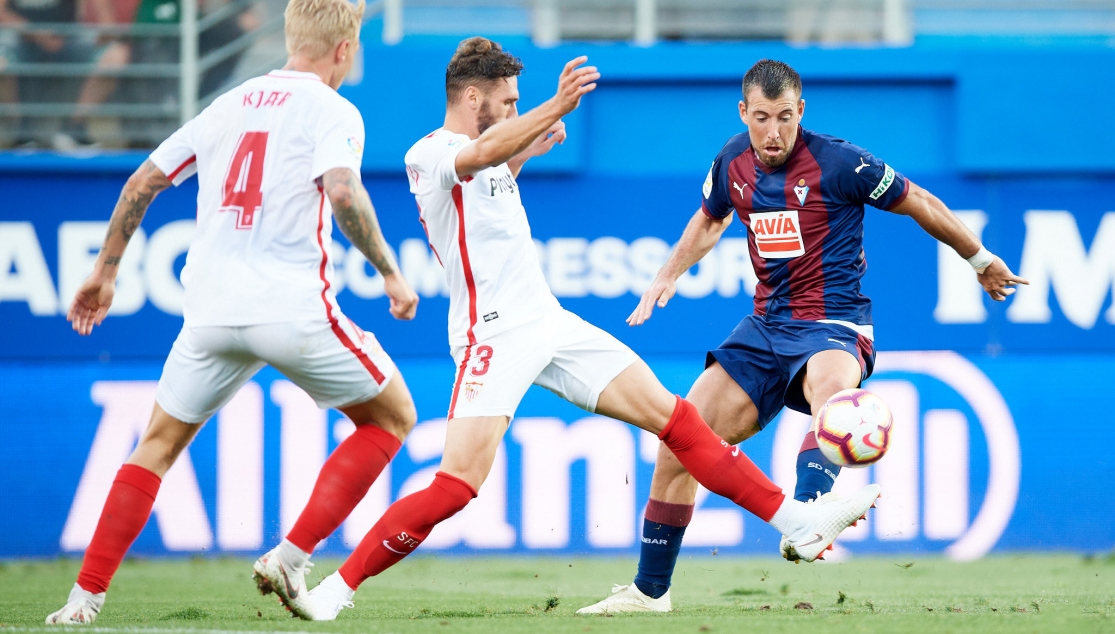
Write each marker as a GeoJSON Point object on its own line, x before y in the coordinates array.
{"type": "Point", "coordinates": [981, 260]}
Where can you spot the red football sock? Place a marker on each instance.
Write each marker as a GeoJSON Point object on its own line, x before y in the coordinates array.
{"type": "Point", "coordinates": [125, 514]}
{"type": "Point", "coordinates": [667, 513]}
{"type": "Point", "coordinates": [405, 524]}
{"type": "Point", "coordinates": [723, 469]}
{"type": "Point", "coordinates": [344, 480]}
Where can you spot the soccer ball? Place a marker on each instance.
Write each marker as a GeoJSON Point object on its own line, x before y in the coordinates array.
{"type": "Point", "coordinates": [853, 429]}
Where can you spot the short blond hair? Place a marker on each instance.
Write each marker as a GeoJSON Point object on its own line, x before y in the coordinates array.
{"type": "Point", "coordinates": [315, 27]}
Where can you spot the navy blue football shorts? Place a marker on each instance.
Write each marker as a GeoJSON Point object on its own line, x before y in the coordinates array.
{"type": "Point", "coordinates": [767, 358]}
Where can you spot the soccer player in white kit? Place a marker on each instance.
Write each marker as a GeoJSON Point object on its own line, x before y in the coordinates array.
{"type": "Point", "coordinates": [276, 159]}
{"type": "Point", "coordinates": [507, 330]}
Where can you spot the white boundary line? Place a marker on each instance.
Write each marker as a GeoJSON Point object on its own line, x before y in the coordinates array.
{"type": "Point", "coordinates": [140, 630]}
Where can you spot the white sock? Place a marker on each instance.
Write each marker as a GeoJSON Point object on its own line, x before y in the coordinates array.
{"type": "Point", "coordinates": [789, 517]}
{"type": "Point", "coordinates": [292, 555]}
{"type": "Point", "coordinates": [77, 593]}
{"type": "Point", "coordinates": [336, 583]}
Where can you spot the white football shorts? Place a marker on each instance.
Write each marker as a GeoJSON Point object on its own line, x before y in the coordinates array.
{"type": "Point", "coordinates": [560, 352]}
{"type": "Point", "coordinates": [337, 364]}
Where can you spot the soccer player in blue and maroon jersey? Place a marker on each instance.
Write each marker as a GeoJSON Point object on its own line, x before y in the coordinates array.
{"type": "Point", "coordinates": [801, 196]}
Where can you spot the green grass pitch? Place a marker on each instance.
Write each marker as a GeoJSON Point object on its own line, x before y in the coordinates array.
{"type": "Point", "coordinates": [1014, 594]}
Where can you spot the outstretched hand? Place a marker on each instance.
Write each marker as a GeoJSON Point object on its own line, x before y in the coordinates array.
{"type": "Point", "coordinates": [659, 294]}
{"type": "Point", "coordinates": [545, 142]}
{"type": "Point", "coordinates": [404, 301]}
{"type": "Point", "coordinates": [575, 83]}
{"type": "Point", "coordinates": [91, 303]}
{"type": "Point", "coordinates": [998, 280]}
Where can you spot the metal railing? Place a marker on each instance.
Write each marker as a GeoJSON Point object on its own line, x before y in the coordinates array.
{"type": "Point", "coordinates": [643, 22]}
{"type": "Point", "coordinates": [175, 69]}
{"type": "Point", "coordinates": [168, 76]}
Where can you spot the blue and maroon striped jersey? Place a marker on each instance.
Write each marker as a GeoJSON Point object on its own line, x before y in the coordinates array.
{"type": "Point", "coordinates": [805, 222]}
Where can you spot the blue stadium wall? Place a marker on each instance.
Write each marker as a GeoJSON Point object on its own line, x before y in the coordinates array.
{"type": "Point", "coordinates": [1001, 409]}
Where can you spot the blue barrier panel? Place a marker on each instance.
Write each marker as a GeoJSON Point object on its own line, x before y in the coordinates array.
{"type": "Point", "coordinates": [979, 468]}
{"type": "Point", "coordinates": [602, 239]}
{"type": "Point", "coordinates": [966, 473]}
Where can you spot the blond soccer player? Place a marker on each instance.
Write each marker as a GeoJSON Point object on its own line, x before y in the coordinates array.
{"type": "Point", "coordinates": [277, 158]}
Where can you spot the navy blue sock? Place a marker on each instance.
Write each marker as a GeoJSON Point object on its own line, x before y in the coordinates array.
{"type": "Point", "coordinates": [661, 544]}
{"type": "Point", "coordinates": [816, 473]}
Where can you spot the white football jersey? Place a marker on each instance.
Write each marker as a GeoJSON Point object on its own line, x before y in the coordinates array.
{"type": "Point", "coordinates": [478, 229]}
{"type": "Point", "coordinates": [261, 252]}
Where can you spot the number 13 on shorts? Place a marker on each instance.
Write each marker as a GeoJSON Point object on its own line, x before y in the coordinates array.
{"type": "Point", "coordinates": [481, 362]}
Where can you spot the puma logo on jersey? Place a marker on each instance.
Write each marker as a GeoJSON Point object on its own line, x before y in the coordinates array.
{"type": "Point", "coordinates": [503, 184]}
{"type": "Point", "coordinates": [863, 164]}
{"type": "Point", "coordinates": [738, 188]}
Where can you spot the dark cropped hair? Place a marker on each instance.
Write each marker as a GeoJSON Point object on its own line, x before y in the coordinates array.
{"type": "Point", "coordinates": [772, 77]}
{"type": "Point", "coordinates": [478, 62]}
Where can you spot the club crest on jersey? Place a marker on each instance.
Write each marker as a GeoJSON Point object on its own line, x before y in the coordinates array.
{"type": "Point", "coordinates": [472, 390]}
{"type": "Point", "coordinates": [801, 190]}
{"type": "Point", "coordinates": [777, 234]}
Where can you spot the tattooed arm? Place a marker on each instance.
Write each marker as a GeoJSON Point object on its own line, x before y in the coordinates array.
{"type": "Point", "coordinates": [94, 297]}
{"type": "Point", "coordinates": [356, 217]}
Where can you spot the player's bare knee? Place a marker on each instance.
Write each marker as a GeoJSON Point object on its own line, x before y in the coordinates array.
{"type": "Point", "coordinates": [397, 422]}
{"type": "Point", "coordinates": [157, 452]}
{"type": "Point", "coordinates": [403, 414]}
{"type": "Point", "coordinates": [671, 482]}
{"type": "Point", "coordinates": [405, 418]}
{"type": "Point", "coordinates": [821, 389]}
{"type": "Point", "coordinates": [667, 467]}
{"type": "Point", "coordinates": [738, 432]}
{"type": "Point", "coordinates": [474, 474]}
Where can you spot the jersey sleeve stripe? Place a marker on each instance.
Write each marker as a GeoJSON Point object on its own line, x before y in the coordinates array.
{"type": "Point", "coordinates": [458, 201]}
{"type": "Point", "coordinates": [173, 175]}
{"type": "Point", "coordinates": [333, 323]}
{"type": "Point", "coordinates": [902, 196]}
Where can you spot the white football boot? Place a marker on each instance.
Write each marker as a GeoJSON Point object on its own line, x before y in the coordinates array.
{"type": "Point", "coordinates": [81, 608]}
{"type": "Point", "coordinates": [288, 581]}
{"type": "Point", "coordinates": [629, 599]}
{"type": "Point", "coordinates": [810, 529]}
{"type": "Point", "coordinates": [327, 600]}
{"type": "Point", "coordinates": [786, 548]}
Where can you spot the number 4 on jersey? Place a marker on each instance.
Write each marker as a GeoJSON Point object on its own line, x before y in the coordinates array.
{"type": "Point", "coordinates": [243, 192]}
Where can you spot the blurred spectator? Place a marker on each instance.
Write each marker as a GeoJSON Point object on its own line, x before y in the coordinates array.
{"type": "Point", "coordinates": [9, 88]}
{"type": "Point", "coordinates": [228, 30]}
{"type": "Point", "coordinates": [221, 34]}
{"type": "Point", "coordinates": [45, 46]}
